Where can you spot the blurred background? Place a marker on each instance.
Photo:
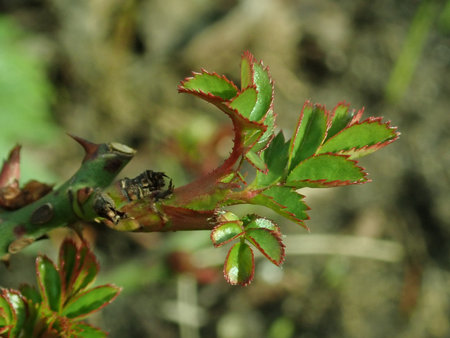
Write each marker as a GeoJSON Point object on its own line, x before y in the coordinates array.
{"type": "Point", "coordinates": [376, 263]}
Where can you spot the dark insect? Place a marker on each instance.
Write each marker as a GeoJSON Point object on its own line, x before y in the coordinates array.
{"type": "Point", "coordinates": [148, 184]}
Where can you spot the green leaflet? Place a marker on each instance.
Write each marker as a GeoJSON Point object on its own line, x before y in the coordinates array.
{"type": "Point", "coordinates": [275, 157]}
{"type": "Point", "coordinates": [341, 119]}
{"type": "Point", "coordinates": [309, 134]}
{"type": "Point", "coordinates": [20, 312]}
{"type": "Point", "coordinates": [264, 87]}
{"type": "Point", "coordinates": [357, 138]}
{"type": "Point", "coordinates": [211, 84]}
{"type": "Point", "coordinates": [285, 201]}
{"type": "Point", "coordinates": [256, 161]}
{"type": "Point", "coordinates": [326, 170]}
{"type": "Point", "coordinates": [6, 310]}
{"type": "Point", "coordinates": [239, 264]}
{"type": "Point", "coordinates": [89, 301]}
{"type": "Point", "coordinates": [225, 232]}
{"type": "Point", "coordinates": [49, 282]}
{"type": "Point", "coordinates": [255, 222]}
{"type": "Point", "coordinates": [268, 242]}
{"type": "Point", "coordinates": [269, 122]}
{"type": "Point", "coordinates": [245, 102]}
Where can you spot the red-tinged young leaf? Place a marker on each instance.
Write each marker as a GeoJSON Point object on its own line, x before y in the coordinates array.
{"type": "Point", "coordinates": [239, 265]}
{"type": "Point", "coordinates": [87, 271]}
{"type": "Point", "coordinates": [244, 102]}
{"type": "Point", "coordinates": [247, 70]}
{"type": "Point", "coordinates": [206, 85]}
{"type": "Point", "coordinates": [284, 201]}
{"type": "Point", "coordinates": [340, 119]}
{"type": "Point", "coordinates": [326, 170]}
{"type": "Point", "coordinates": [255, 222]}
{"type": "Point", "coordinates": [361, 138]}
{"type": "Point", "coordinates": [10, 173]}
{"type": "Point", "coordinates": [264, 86]}
{"type": "Point", "coordinates": [223, 233]}
{"type": "Point", "coordinates": [90, 301]}
{"type": "Point", "coordinates": [68, 263]}
{"type": "Point", "coordinates": [275, 157]}
{"type": "Point", "coordinates": [269, 243]}
{"type": "Point", "coordinates": [309, 134]}
{"type": "Point", "coordinates": [49, 282]}
{"type": "Point", "coordinates": [20, 311]}
{"type": "Point", "coordinates": [87, 331]}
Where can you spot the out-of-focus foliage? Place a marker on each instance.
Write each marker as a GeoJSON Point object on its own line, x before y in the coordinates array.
{"type": "Point", "coordinates": [25, 95]}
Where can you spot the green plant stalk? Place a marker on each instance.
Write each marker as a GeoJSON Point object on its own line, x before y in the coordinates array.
{"type": "Point", "coordinates": [70, 202]}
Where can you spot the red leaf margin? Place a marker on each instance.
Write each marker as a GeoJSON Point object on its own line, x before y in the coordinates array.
{"type": "Point", "coordinates": [323, 183]}
{"type": "Point", "coordinates": [228, 240]}
{"type": "Point", "coordinates": [369, 120]}
{"type": "Point", "coordinates": [277, 236]}
{"type": "Point", "coordinates": [250, 278]}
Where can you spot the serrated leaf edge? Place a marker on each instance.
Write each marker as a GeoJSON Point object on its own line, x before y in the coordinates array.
{"type": "Point", "coordinates": [292, 216]}
{"type": "Point", "coordinates": [207, 96]}
{"type": "Point", "coordinates": [375, 146]}
{"type": "Point", "coordinates": [230, 239]}
{"type": "Point", "coordinates": [250, 279]}
{"type": "Point", "coordinates": [334, 183]}
{"type": "Point", "coordinates": [277, 236]}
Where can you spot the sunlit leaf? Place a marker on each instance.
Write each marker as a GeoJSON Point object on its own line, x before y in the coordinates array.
{"type": "Point", "coordinates": [239, 264]}
{"type": "Point", "coordinates": [20, 310]}
{"type": "Point", "coordinates": [326, 170]}
{"type": "Point", "coordinates": [309, 133]}
{"type": "Point", "coordinates": [361, 138]}
{"type": "Point", "coordinates": [209, 84]}
{"type": "Point", "coordinates": [261, 79]}
{"type": "Point", "coordinates": [256, 222]}
{"type": "Point", "coordinates": [245, 102]}
{"type": "Point", "coordinates": [226, 232]}
{"type": "Point", "coordinates": [341, 117]}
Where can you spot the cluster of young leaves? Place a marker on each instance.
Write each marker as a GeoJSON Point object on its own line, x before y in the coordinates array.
{"type": "Point", "coordinates": [65, 297]}
{"type": "Point", "coordinates": [320, 154]}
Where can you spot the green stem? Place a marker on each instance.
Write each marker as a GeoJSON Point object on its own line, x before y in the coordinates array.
{"type": "Point", "coordinates": [72, 201]}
